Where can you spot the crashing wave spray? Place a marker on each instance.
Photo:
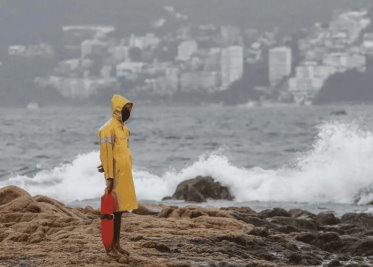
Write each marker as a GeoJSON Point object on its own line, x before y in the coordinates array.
{"type": "Point", "coordinates": [337, 169]}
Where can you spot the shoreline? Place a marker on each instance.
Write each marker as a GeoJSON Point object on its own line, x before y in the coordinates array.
{"type": "Point", "coordinates": [338, 209]}
{"type": "Point", "coordinates": [41, 231]}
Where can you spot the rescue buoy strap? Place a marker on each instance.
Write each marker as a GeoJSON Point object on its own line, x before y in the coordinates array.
{"type": "Point", "coordinates": [106, 216]}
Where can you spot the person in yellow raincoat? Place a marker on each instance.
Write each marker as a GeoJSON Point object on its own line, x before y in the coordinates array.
{"type": "Point", "coordinates": [116, 164]}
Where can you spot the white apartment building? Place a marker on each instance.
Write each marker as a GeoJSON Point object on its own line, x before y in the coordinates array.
{"type": "Point", "coordinates": [308, 80]}
{"type": "Point", "coordinates": [76, 87]}
{"type": "Point", "coordinates": [232, 65]}
{"type": "Point", "coordinates": [343, 61]}
{"type": "Point", "coordinates": [367, 45]}
{"type": "Point", "coordinates": [279, 64]}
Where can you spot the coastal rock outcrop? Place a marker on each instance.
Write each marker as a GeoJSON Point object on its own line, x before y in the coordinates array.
{"type": "Point", "coordinates": [41, 231]}
{"type": "Point", "coordinates": [200, 189]}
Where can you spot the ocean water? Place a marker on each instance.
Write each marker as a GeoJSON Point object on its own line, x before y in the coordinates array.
{"type": "Point", "coordinates": [284, 156]}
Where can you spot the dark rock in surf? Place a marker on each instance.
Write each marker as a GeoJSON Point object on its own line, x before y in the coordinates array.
{"type": "Point", "coordinates": [299, 213]}
{"type": "Point", "coordinates": [269, 213]}
{"type": "Point", "coordinates": [327, 218]}
{"type": "Point", "coordinates": [339, 112]}
{"type": "Point", "coordinates": [201, 188]}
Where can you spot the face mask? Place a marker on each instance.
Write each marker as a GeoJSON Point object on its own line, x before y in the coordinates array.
{"type": "Point", "coordinates": [125, 114]}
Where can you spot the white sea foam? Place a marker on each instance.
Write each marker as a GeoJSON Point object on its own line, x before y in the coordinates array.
{"type": "Point", "coordinates": [338, 169]}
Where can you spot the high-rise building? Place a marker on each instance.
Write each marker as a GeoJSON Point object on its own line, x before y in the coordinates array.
{"type": "Point", "coordinates": [279, 64]}
{"type": "Point", "coordinates": [231, 65]}
{"type": "Point", "coordinates": [308, 80]}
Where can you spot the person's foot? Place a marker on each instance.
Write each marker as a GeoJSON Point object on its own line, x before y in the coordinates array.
{"type": "Point", "coordinates": [121, 250]}
{"type": "Point", "coordinates": [112, 252]}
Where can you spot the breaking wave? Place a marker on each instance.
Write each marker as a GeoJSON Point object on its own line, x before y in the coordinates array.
{"type": "Point", "coordinates": [338, 169]}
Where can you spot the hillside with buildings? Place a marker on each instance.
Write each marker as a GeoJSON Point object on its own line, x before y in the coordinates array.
{"type": "Point", "coordinates": [172, 53]}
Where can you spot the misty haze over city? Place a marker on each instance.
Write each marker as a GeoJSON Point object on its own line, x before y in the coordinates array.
{"type": "Point", "coordinates": [236, 52]}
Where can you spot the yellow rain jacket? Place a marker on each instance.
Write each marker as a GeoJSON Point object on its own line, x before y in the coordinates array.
{"type": "Point", "coordinates": [116, 158]}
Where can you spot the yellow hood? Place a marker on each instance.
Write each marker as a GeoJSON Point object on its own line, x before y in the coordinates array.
{"type": "Point", "coordinates": [117, 104]}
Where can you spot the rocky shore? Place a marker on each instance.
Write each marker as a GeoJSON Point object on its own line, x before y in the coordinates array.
{"type": "Point", "coordinates": [40, 231]}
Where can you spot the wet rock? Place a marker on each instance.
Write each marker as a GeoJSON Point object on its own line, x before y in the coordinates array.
{"type": "Point", "coordinates": [357, 265]}
{"type": "Point", "coordinates": [350, 229]}
{"type": "Point", "coordinates": [306, 237]}
{"type": "Point", "coordinates": [240, 210]}
{"type": "Point", "coordinates": [190, 212]}
{"type": "Point", "coordinates": [254, 220]}
{"type": "Point", "coordinates": [181, 236]}
{"type": "Point", "coordinates": [368, 233]}
{"type": "Point", "coordinates": [286, 229]}
{"type": "Point", "coordinates": [238, 239]}
{"type": "Point", "coordinates": [201, 188]}
{"type": "Point", "coordinates": [327, 218]}
{"type": "Point", "coordinates": [361, 219]}
{"type": "Point", "coordinates": [299, 223]}
{"type": "Point", "coordinates": [332, 228]}
{"type": "Point", "coordinates": [299, 258]}
{"type": "Point", "coordinates": [348, 243]}
{"type": "Point", "coordinates": [364, 248]}
{"type": "Point", "coordinates": [144, 210]}
{"type": "Point", "coordinates": [158, 246]}
{"type": "Point", "coordinates": [334, 263]}
{"type": "Point", "coordinates": [295, 258]}
{"type": "Point", "coordinates": [260, 231]}
{"type": "Point", "coordinates": [269, 213]}
{"type": "Point", "coordinates": [299, 213]}
{"type": "Point", "coordinates": [162, 248]}
{"type": "Point", "coordinates": [166, 211]}
{"type": "Point", "coordinates": [328, 241]}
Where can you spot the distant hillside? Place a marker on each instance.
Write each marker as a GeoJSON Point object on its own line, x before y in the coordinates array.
{"type": "Point", "coordinates": [34, 21]}
{"type": "Point", "coordinates": [350, 86]}
{"type": "Point", "coordinates": [28, 21]}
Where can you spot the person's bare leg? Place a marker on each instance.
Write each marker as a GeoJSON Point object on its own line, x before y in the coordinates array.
{"type": "Point", "coordinates": [112, 252]}
{"type": "Point", "coordinates": [117, 226]}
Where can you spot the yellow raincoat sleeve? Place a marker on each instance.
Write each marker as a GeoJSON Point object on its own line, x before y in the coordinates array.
{"type": "Point", "coordinates": [106, 153]}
